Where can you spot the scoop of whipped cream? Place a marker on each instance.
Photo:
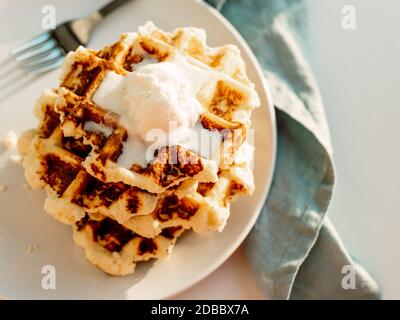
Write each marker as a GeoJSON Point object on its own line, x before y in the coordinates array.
{"type": "Point", "coordinates": [155, 96]}
{"type": "Point", "coordinates": [160, 96]}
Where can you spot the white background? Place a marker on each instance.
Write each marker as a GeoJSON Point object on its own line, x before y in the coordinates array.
{"type": "Point", "coordinates": [358, 72]}
{"type": "Point", "coordinates": [359, 76]}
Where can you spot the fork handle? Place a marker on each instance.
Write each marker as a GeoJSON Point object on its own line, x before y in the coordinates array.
{"type": "Point", "coordinates": [110, 7]}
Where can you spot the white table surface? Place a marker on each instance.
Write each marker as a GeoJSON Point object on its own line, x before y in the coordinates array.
{"type": "Point", "coordinates": [358, 72]}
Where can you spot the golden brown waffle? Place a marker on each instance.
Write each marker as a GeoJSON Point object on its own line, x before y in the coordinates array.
{"type": "Point", "coordinates": [157, 177]}
{"type": "Point", "coordinates": [79, 169]}
{"type": "Point", "coordinates": [56, 162]}
{"type": "Point", "coordinates": [115, 249]}
{"type": "Point", "coordinates": [227, 103]}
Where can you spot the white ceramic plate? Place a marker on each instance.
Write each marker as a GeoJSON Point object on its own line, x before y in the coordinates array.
{"type": "Point", "coordinates": [24, 222]}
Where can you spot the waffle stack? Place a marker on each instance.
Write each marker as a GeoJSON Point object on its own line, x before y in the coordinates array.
{"type": "Point", "coordinates": [122, 215]}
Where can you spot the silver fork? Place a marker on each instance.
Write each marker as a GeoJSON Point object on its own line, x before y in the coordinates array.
{"type": "Point", "coordinates": [46, 51]}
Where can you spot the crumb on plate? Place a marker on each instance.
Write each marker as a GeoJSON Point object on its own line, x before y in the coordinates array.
{"type": "Point", "coordinates": [10, 140]}
{"type": "Point", "coordinates": [26, 186]}
{"type": "Point", "coordinates": [16, 158]}
{"type": "Point", "coordinates": [30, 248]}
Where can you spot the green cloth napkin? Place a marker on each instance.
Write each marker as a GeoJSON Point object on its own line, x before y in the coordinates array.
{"type": "Point", "coordinates": [294, 251]}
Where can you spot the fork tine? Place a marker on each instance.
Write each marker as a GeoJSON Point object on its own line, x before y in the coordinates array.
{"type": "Point", "coordinates": [43, 59]}
{"type": "Point", "coordinates": [30, 43]}
{"type": "Point", "coordinates": [36, 52]}
{"type": "Point", "coordinates": [48, 67]}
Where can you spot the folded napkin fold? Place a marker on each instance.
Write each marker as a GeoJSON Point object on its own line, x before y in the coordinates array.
{"type": "Point", "coordinates": [293, 249]}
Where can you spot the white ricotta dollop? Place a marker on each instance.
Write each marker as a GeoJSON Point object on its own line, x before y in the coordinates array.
{"type": "Point", "coordinates": [156, 96]}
